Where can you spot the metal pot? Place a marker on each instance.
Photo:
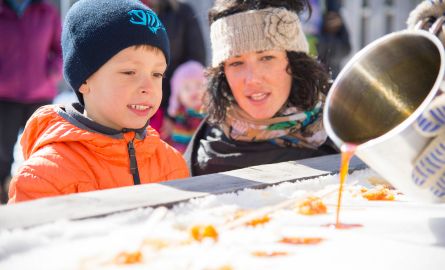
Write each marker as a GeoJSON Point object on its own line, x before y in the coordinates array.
{"type": "Point", "coordinates": [379, 95]}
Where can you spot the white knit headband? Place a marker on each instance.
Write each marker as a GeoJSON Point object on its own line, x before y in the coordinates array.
{"type": "Point", "coordinates": [256, 30]}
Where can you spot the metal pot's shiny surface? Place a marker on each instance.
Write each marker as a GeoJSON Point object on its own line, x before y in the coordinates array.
{"type": "Point", "coordinates": [377, 97]}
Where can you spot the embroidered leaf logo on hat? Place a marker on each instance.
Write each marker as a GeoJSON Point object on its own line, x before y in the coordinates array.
{"type": "Point", "coordinates": [146, 17]}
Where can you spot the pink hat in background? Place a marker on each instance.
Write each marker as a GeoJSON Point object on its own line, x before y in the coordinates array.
{"type": "Point", "coordinates": [188, 70]}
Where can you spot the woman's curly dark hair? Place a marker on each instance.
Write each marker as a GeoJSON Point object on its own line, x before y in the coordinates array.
{"type": "Point", "coordinates": [309, 78]}
{"type": "Point", "coordinates": [224, 8]}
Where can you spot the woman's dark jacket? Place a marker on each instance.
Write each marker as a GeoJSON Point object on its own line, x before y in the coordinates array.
{"type": "Point", "coordinates": [210, 151]}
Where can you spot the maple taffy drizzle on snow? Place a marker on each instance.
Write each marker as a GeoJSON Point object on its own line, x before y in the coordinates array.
{"type": "Point", "coordinates": [347, 151]}
{"type": "Point", "coordinates": [301, 241]}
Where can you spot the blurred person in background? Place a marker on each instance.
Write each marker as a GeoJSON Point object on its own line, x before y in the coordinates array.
{"type": "Point", "coordinates": [188, 85]}
{"type": "Point", "coordinates": [30, 67]}
{"type": "Point", "coordinates": [333, 42]}
{"type": "Point", "coordinates": [326, 34]}
{"type": "Point", "coordinates": [312, 26]}
{"type": "Point", "coordinates": [186, 43]}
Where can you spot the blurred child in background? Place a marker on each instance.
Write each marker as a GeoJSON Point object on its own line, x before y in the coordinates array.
{"type": "Point", "coordinates": [187, 90]}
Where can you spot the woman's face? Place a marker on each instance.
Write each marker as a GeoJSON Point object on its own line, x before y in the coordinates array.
{"type": "Point", "coordinates": [259, 81]}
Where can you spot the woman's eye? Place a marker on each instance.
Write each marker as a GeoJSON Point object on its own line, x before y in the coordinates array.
{"type": "Point", "coordinates": [235, 64]}
{"type": "Point", "coordinates": [267, 58]}
{"type": "Point", "coordinates": [128, 72]}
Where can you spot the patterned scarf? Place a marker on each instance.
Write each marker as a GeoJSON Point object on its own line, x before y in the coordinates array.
{"type": "Point", "coordinates": [290, 127]}
{"type": "Point", "coordinates": [186, 123]}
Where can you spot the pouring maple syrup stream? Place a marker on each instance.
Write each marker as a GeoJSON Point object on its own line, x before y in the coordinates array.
{"type": "Point", "coordinates": [347, 151]}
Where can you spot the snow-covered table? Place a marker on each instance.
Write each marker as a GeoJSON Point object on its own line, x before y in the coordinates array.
{"type": "Point", "coordinates": [98, 203]}
{"type": "Point", "coordinates": [400, 234]}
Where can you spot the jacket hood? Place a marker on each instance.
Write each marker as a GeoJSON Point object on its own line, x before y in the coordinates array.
{"type": "Point", "coordinates": [49, 125]}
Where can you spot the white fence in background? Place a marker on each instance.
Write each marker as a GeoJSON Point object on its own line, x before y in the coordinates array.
{"type": "Point", "coordinates": [366, 20]}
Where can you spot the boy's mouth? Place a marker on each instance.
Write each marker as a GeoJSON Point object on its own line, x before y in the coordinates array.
{"type": "Point", "coordinates": [140, 110]}
{"type": "Point", "coordinates": [139, 107]}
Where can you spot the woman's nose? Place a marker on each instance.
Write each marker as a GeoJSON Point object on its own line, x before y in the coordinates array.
{"type": "Point", "coordinates": [253, 74]}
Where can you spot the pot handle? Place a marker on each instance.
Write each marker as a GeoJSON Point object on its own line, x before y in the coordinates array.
{"type": "Point", "coordinates": [435, 28]}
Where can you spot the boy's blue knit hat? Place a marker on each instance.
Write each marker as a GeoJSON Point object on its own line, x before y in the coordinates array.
{"type": "Point", "coordinates": [96, 30]}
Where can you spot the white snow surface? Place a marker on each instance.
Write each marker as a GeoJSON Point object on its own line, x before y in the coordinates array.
{"type": "Point", "coordinates": [400, 234]}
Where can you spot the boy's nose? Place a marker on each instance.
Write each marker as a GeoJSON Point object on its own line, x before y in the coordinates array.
{"type": "Point", "coordinates": [146, 86]}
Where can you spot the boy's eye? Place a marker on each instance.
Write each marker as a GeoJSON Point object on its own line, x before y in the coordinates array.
{"type": "Point", "coordinates": [158, 75]}
{"type": "Point", "coordinates": [128, 72]}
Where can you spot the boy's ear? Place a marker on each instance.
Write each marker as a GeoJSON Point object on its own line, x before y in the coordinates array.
{"type": "Point", "coordinates": [84, 88]}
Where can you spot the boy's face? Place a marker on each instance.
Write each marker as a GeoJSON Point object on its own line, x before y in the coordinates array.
{"type": "Point", "coordinates": [191, 93]}
{"type": "Point", "coordinates": [127, 90]}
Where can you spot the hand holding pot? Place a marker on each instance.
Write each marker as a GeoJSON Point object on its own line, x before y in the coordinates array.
{"type": "Point", "coordinates": [429, 168]}
{"type": "Point", "coordinates": [426, 9]}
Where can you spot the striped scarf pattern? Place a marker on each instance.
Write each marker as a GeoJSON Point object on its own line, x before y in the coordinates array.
{"type": "Point", "coordinates": [290, 127]}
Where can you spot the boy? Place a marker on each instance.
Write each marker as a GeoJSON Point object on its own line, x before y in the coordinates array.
{"type": "Point", "coordinates": [115, 54]}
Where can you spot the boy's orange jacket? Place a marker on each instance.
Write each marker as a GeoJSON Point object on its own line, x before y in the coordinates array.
{"type": "Point", "coordinates": [61, 158]}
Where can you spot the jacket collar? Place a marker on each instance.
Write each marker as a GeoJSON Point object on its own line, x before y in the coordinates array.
{"type": "Point", "coordinates": [73, 113]}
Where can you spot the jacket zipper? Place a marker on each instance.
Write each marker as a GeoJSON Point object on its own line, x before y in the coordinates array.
{"type": "Point", "coordinates": [133, 163]}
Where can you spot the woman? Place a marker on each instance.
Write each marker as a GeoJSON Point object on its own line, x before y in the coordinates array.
{"type": "Point", "coordinates": [265, 94]}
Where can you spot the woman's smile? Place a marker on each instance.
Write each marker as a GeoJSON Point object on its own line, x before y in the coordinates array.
{"type": "Point", "coordinates": [259, 96]}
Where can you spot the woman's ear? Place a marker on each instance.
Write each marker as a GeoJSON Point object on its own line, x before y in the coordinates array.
{"type": "Point", "coordinates": [84, 88]}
